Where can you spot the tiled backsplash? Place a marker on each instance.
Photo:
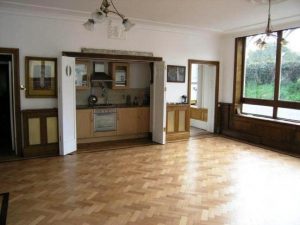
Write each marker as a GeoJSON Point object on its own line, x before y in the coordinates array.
{"type": "Point", "coordinates": [139, 96]}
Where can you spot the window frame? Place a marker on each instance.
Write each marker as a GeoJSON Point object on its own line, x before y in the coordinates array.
{"type": "Point", "coordinates": [239, 76]}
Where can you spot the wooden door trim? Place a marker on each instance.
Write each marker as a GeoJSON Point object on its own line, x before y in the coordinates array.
{"type": "Point", "coordinates": [16, 86]}
{"type": "Point", "coordinates": [217, 64]}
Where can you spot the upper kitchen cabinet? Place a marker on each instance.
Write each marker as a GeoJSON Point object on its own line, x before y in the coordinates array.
{"type": "Point", "coordinates": [82, 79]}
{"type": "Point", "coordinates": [120, 73]}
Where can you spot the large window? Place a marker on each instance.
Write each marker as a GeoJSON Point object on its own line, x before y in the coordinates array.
{"type": "Point", "coordinates": [269, 76]}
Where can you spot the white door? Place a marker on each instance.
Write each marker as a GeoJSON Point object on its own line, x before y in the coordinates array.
{"type": "Point", "coordinates": [67, 105]}
{"type": "Point", "coordinates": [159, 103]}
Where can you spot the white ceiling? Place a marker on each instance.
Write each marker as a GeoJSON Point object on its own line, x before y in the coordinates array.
{"type": "Point", "coordinates": [218, 15]}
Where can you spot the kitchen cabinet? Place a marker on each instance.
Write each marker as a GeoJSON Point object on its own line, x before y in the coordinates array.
{"type": "Point", "coordinates": [143, 114]}
{"type": "Point", "coordinates": [133, 120]}
{"type": "Point", "coordinates": [82, 78]}
{"type": "Point", "coordinates": [120, 75]}
{"type": "Point", "coordinates": [84, 122]}
{"type": "Point", "coordinates": [178, 121]}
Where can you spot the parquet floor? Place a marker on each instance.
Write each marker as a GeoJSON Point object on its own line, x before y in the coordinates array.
{"type": "Point", "coordinates": [207, 181]}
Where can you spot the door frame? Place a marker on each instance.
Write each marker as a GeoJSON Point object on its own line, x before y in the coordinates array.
{"type": "Point", "coordinates": [217, 64]}
{"type": "Point", "coordinates": [14, 52]}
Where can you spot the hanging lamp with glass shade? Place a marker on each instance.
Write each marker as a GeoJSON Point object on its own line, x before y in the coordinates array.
{"type": "Point", "coordinates": [262, 42]}
{"type": "Point", "coordinates": [100, 15]}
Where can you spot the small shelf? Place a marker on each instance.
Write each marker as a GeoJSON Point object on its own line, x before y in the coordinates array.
{"type": "Point", "coordinates": [120, 74]}
{"type": "Point", "coordinates": [82, 79]}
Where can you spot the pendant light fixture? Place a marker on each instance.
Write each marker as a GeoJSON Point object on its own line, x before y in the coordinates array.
{"type": "Point", "coordinates": [99, 15]}
{"type": "Point", "coordinates": [262, 42]}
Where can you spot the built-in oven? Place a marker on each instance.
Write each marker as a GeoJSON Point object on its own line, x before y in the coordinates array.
{"type": "Point", "coordinates": [105, 119]}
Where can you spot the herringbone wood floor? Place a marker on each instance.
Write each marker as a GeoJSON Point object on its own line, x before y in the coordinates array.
{"type": "Point", "coordinates": [206, 181]}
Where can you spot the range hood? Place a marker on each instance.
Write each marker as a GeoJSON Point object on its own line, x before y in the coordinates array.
{"type": "Point", "coordinates": [101, 76]}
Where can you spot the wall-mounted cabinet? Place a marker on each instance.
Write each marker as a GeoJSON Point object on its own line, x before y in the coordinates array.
{"type": "Point", "coordinates": [120, 74]}
{"type": "Point", "coordinates": [83, 71]}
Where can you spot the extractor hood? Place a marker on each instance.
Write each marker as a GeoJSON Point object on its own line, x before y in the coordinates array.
{"type": "Point", "coordinates": [101, 76]}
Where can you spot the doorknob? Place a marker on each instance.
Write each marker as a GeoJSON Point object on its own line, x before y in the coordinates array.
{"type": "Point", "coordinates": [22, 87]}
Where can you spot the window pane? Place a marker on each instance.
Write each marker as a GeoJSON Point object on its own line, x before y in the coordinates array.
{"type": "Point", "coordinates": [290, 66]}
{"type": "Point", "coordinates": [258, 110]}
{"type": "Point", "coordinates": [290, 114]}
{"type": "Point", "coordinates": [260, 68]}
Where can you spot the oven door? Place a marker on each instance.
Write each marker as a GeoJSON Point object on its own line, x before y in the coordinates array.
{"type": "Point", "coordinates": [105, 121]}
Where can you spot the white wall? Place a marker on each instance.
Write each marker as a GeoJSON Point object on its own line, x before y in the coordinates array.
{"type": "Point", "coordinates": [140, 75]}
{"type": "Point", "coordinates": [36, 34]}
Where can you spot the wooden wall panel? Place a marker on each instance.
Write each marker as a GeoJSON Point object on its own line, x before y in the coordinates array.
{"type": "Point", "coordinates": [171, 122]}
{"type": "Point", "coordinates": [279, 135]}
{"type": "Point", "coordinates": [34, 132]}
{"type": "Point", "coordinates": [199, 113]}
{"type": "Point", "coordinates": [40, 130]}
{"type": "Point", "coordinates": [181, 121]}
{"type": "Point", "coordinates": [52, 130]}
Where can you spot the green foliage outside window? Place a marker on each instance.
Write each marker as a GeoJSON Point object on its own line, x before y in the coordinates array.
{"type": "Point", "coordinates": [260, 74]}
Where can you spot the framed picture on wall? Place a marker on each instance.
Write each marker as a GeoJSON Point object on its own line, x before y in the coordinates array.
{"type": "Point", "coordinates": [41, 77]}
{"type": "Point", "coordinates": [176, 74]}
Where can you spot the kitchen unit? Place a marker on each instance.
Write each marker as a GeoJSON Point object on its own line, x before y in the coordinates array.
{"type": "Point", "coordinates": [117, 122]}
{"type": "Point", "coordinates": [116, 104]}
{"type": "Point", "coordinates": [120, 107]}
{"type": "Point", "coordinates": [140, 86]}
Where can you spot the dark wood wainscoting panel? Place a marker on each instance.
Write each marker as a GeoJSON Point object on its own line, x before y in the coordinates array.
{"type": "Point", "coordinates": [40, 127]}
{"type": "Point", "coordinates": [279, 135]}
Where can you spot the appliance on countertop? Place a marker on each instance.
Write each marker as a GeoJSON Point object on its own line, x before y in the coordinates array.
{"type": "Point", "coordinates": [92, 100]}
{"type": "Point", "coordinates": [184, 99]}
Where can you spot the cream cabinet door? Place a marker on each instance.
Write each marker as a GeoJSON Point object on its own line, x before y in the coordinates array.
{"type": "Point", "coordinates": [127, 121]}
{"type": "Point", "coordinates": [143, 119]}
{"type": "Point", "coordinates": [84, 123]}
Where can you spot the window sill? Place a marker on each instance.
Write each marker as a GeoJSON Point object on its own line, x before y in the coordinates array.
{"type": "Point", "coordinates": [268, 119]}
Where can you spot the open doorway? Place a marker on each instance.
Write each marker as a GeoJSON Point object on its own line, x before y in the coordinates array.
{"type": "Point", "coordinates": [6, 131]}
{"type": "Point", "coordinates": [203, 96]}
{"type": "Point", "coordinates": [10, 118]}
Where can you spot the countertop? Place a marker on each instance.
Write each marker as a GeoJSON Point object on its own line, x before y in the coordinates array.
{"type": "Point", "coordinates": [109, 106]}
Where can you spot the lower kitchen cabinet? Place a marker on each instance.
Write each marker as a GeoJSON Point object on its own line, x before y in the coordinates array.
{"type": "Point", "coordinates": [143, 120]}
{"type": "Point", "coordinates": [84, 123]}
{"type": "Point", "coordinates": [133, 120]}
